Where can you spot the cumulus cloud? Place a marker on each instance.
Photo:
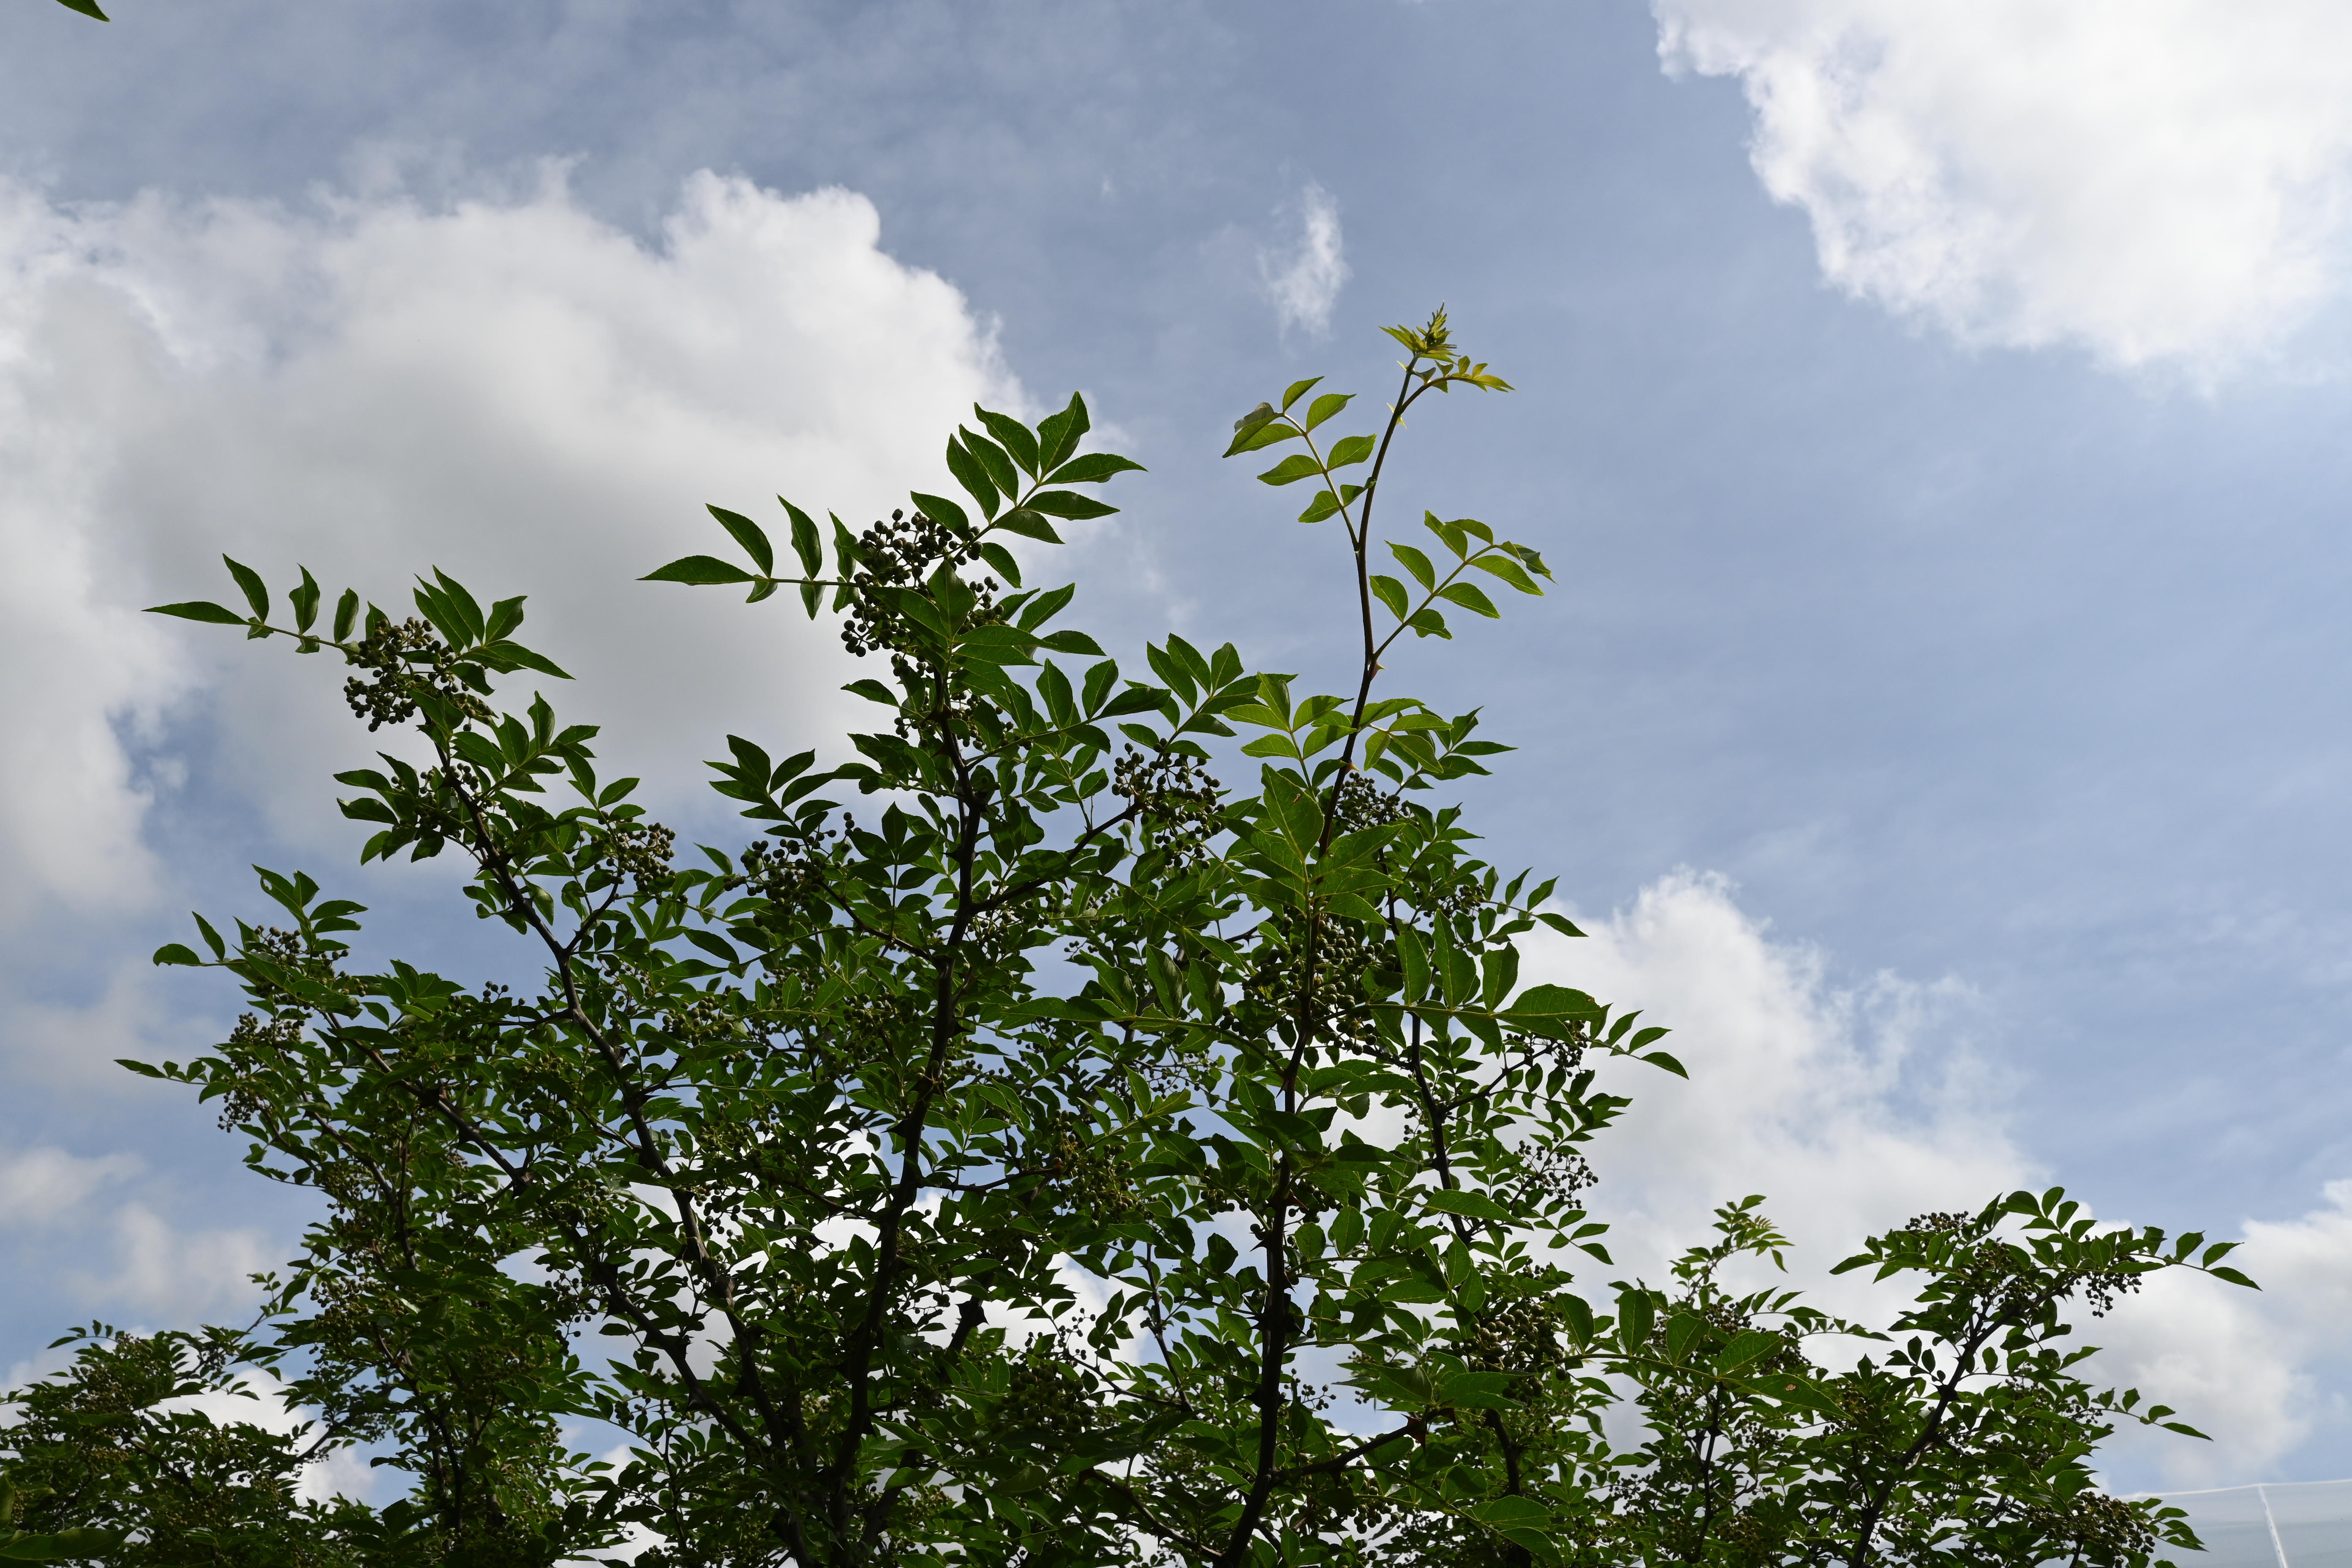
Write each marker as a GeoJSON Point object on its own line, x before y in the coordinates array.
{"type": "Point", "coordinates": [506, 387]}
{"type": "Point", "coordinates": [1303, 282]}
{"type": "Point", "coordinates": [2155, 181]}
{"type": "Point", "coordinates": [43, 1188]}
{"type": "Point", "coordinates": [2262, 1374]}
{"type": "Point", "coordinates": [1851, 1108]}
{"type": "Point", "coordinates": [69, 1222]}
{"type": "Point", "coordinates": [175, 1275]}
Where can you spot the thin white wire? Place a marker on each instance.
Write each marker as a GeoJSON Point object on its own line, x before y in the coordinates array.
{"type": "Point", "coordinates": [2276, 1544]}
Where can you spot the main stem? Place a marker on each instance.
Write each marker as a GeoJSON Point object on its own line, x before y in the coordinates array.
{"type": "Point", "coordinates": [1273, 1311]}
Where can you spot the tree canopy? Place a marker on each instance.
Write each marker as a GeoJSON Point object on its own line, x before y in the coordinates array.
{"type": "Point", "coordinates": [1026, 1146]}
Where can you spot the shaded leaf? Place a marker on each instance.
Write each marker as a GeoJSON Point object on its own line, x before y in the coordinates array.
{"type": "Point", "coordinates": [699, 570]}
{"type": "Point", "coordinates": [199, 610]}
{"type": "Point", "coordinates": [749, 536]}
{"type": "Point", "coordinates": [1093, 468]}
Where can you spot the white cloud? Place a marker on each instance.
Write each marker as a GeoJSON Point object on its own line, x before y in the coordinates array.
{"type": "Point", "coordinates": [2262, 1373]}
{"type": "Point", "coordinates": [506, 387]}
{"type": "Point", "coordinates": [41, 1188]}
{"type": "Point", "coordinates": [116, 1253]}
{"type": "Point", "coordinates": [78, 1043]}
{"type": "Point", "coordinates": [176, 1276]}
{"type": "Point", "coordinates": [1851, 1109]}
{"type": "Point", "coordinates": [2151, 180]}
{"type": "Point", "coordinates": [1304, 282]}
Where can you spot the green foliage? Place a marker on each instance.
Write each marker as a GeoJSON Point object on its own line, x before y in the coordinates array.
{"type": "Point", "coordinates": [103, 1468]}
{"type": "Point", "coordinates": [1062, 1158]}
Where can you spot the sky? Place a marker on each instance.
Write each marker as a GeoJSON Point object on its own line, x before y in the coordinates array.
{"type": "Point", "coordinates": [1933, 415]}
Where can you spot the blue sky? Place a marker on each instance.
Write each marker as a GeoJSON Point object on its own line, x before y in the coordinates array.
{"type": "Point", "coordinates": [1934, 421]}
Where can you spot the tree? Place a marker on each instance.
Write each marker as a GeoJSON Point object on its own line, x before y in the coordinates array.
{"type": "Point", "coordinates": [1064, 1158]}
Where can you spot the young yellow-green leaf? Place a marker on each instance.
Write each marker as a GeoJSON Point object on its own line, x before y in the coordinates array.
{"type": "Point", "coordinates": [1327, 504]}
{"type": "Point", "coordinates": [1415, 562]}
{"type": "Point", "coordinates": [1291, 470]}
{"type": "Point", "coordinates": [1325, 406]}
{"type": "Point", "coordinates": [1450, 534]}
{"type": "Point", "coordinates": [1531, 559]}
{"type": "Point", "coordinates": [1470, 597]}
{"type": "Point", "coordinates": [1391, 592]}
{"type": "Point", "coordinates": [1298, 390]}
{"type": "Point", "coordinates": [1250, 423]}
{"type": "Point", "coordinates": [1266, 432]}
{"type": "Point", "coordinates": [1508, 570]}
{"type": "Point", "coordinates": [1351, 449]}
